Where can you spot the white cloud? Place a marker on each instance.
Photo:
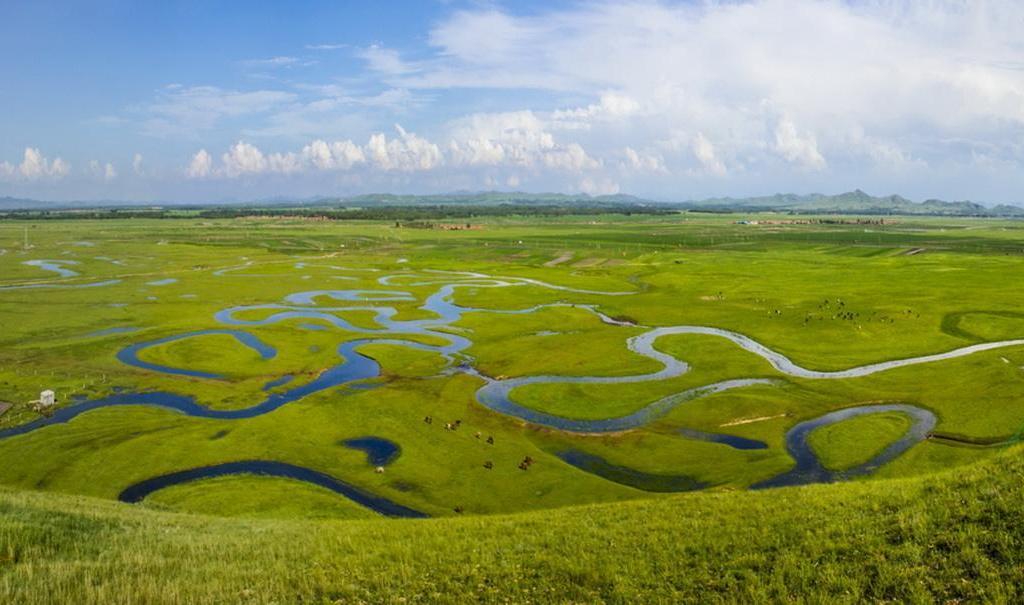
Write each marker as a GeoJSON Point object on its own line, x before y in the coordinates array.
{"type": "Point", "coordinates": [763, 79]}
{"type": "Point", "coordinates": [405, 153]}
{"type": "Point", "coordinates": [643, 162]}
{"type": "Point", "coordinates": [104, 172]}
{"type": "Point", "coordinates": [35, 166]}
{"type": "Point", "coordinates": [798, 148]}
{"type": "Point", "coordinates": [180, 110]}
{"type": "Point", "coordinates": [384, 60]}
{"type": "Point", "coordinates": [137, 164]}
{"type": "Point", "coordinates": [611, 107]}
{"type": "Point", "coordinates": [514, 139]}
{"type": "Point", "coordinates": [335, 111]}
{"type": "Point", "coordinates": [326, 46]}
{"type": "Point", "coordinates": [339, 155]}
{"type": "Point", "coordinates": [273, 62]}
{"type": "Point", "coordinates": [201, 165]}
{"type": "Point", "coordinates": [570, 158]}
{"type": "Point", "coordinates": [284, 163]}
{"type": "Point", "coordinates": [705, 153]}
{"type": "Point", "coordinates": [243, 158]}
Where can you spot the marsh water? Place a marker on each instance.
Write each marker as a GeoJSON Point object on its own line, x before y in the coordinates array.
{"type": "Point", "coordinates": [496, 394]}
{"type": "Point", "coordinates": [809, 469]}
{"type": "Point", "coordinates": [269, 468]}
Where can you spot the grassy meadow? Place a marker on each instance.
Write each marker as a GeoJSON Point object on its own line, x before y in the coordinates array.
{"type": "Point", "coordinates": [952, 537]}
{"type": "Point", "coordinates": [940, 522]}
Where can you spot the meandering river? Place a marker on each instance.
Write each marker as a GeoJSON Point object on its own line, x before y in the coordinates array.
{"type": "Point", "coordinates": [495, 394]}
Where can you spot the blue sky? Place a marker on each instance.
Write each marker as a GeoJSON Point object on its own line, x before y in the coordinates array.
{"type": "Point", "coordinates": [194, 101]}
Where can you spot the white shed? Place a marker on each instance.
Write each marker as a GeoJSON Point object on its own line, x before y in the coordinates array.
{"type": "Point", "coordinates": [47, 398]}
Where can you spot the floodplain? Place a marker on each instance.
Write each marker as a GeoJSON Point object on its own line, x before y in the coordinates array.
{"type": "Point", "coordinates": [302, 370]}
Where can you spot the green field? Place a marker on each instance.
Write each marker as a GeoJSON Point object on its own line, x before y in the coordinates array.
{"type": "Point", "coordinates": [558, 297]}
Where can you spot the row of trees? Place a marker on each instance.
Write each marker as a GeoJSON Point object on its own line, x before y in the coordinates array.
{"type": "Point", "coordinates": [391, 213]}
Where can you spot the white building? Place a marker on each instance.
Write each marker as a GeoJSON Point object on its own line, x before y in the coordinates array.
{"type": "Point", "coordinates": [47, 398]}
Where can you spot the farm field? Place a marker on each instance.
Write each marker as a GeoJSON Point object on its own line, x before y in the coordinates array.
{"type": "Point", "coordinates": [261, 376]}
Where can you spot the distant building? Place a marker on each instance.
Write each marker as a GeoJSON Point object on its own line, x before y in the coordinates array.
{"type": "Point", "coordinates": [47, 398]}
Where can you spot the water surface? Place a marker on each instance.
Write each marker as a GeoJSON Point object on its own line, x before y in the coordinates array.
{"type": "Point", "coordinates": [269, 468]}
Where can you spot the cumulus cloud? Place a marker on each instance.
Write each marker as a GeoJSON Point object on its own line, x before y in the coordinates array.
{"type": "Point", "coordinates": [705, 153]}
{"type": "Point", "coordinates": [799, 148]}
{"type": "Point", "coordinates": [243, 158]}
{"type": "Point", "coordinates": [570, 158]}
{"type": "Point", "coordinates": [339, 155]}
{"type": "Point", "coordinates": [611, 107]}
{"type": "Point", "coordinates": [943, 78]}
{"type": "Point", "coordinates": [643, 162]}
{"type": "Point", "coordinates": [137, 164]}
{"type": "Point", "coordinates": [35, 166]}
{"type": "Point", "coordinates": [201, 165]}
{"type": "Point", "coordinates": [515, 139]}
{"type": "Point", "coordinates": [104, 172]}
{"type": "Point", "coordinates": [407, 152]}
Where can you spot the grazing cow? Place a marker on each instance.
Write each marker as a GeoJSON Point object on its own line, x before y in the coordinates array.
{"type": "Point", "coordinates": [428, 420]}
{"type": "Point", "coordinates": [477, 434]}
{"type": "Point", "coordinates": [488, 465]}
{"type": "Point", "coordinates": [490, 440]}
{"type": "Point", "coordinates": [379, 470]}
{"type": "Point", "coordinates": [458, 509]}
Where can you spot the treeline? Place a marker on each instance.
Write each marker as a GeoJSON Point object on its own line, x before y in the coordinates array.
{"type": "Point", "coordinates": [389, 213]}
{"type": "Point", "coordinates": [93, 214]}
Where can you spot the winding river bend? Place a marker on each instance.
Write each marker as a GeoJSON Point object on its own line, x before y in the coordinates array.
{"type": "Point", "coordinates": [809, 468]}
{"type": "Point", "coordinates": [269, 468]}
{"type": "Point", "coordinates": [495, 394]}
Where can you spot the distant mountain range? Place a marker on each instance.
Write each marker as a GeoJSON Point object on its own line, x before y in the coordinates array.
{"type": "Point", "coordinates": [854, 202]}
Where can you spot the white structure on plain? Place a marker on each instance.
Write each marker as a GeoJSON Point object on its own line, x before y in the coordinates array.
{"type": "Point", "coordinates": [47, 398]}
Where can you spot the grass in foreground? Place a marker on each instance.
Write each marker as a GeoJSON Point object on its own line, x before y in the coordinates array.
{"type": "Point", "coordinates": [948, 537]}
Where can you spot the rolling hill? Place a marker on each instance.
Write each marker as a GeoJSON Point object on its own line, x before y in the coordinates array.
{"type": "Point", "coordinates": [952, 537]}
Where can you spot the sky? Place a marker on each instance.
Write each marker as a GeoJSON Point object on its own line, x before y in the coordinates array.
{"type": "Point", "coordinates": [213, 101]}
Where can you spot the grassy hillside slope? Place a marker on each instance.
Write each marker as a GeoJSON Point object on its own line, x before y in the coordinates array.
{"type": "Point", "coordinates": [946, 537]}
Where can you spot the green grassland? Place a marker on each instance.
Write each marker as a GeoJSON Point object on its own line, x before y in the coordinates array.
{"type": "Point", "coordinates": [950, 537]}
{"type": "Point", "coordinates": [828, 295]}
